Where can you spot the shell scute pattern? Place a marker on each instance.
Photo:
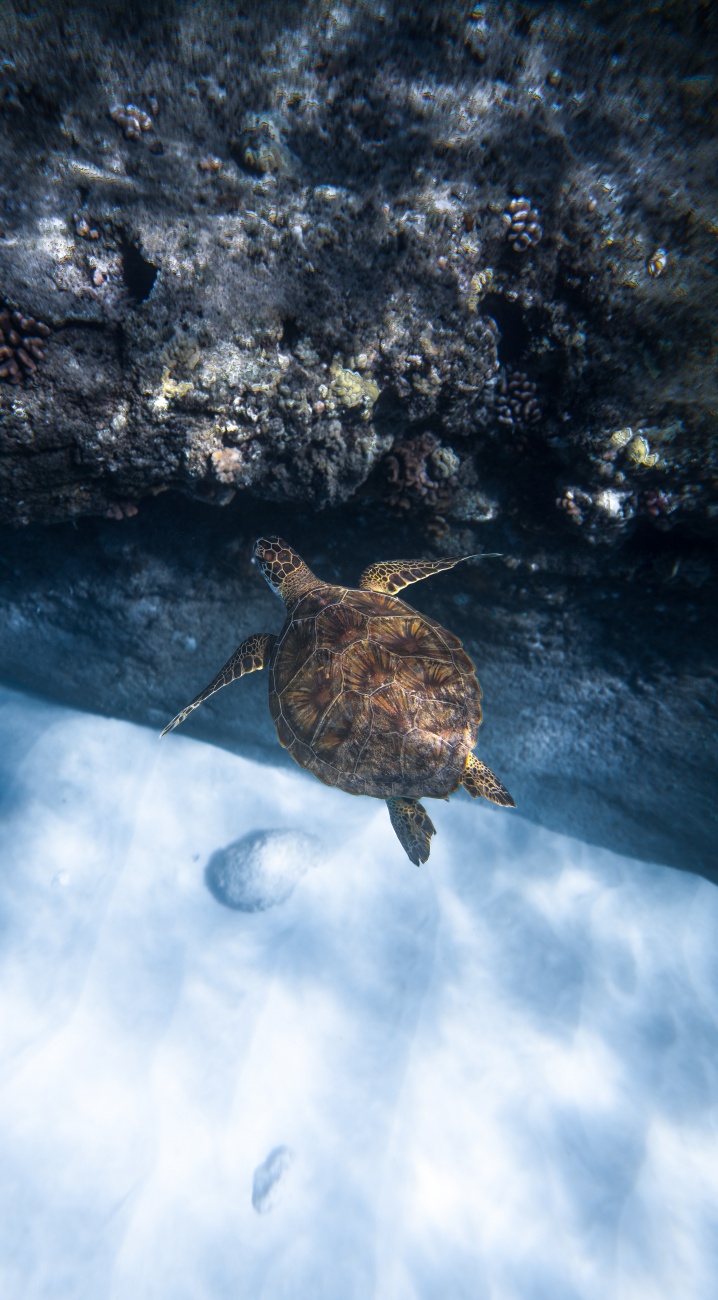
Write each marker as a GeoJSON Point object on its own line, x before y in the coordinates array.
{"type": "Point", "coordinates": [373, 697]}
{"type": "Point", "coordinates": [429, 753]}
{"type": "Point", "coordinates": [375, 603]}
{"type": "Point", "coordinates": [407, 637]}
{"type": "Point", "coordinates": [304, 755]}
{"type": "Point", "coordinates": [437, 716]}
{"type": "Point", "coordinates": [311, 604]}
{"type": "Point", "coordinates": [434, 678]}
{"type": "Point", "coordinates": [394, 709]}
{"type": "Point", "coordinates": [386, 751]}
{"type": "Point", "coordinates": [285, 734]}
{"type": "Point", "coordinates": [339, 627]}
{"type": "Point", "coordinates": [368, 667]}
{"type": "Point", "coordinates": [348, 714]}
{"type": "Point", "coordinates": [311, 692]}
{"type": "Point", "coordinates": [293, 651]}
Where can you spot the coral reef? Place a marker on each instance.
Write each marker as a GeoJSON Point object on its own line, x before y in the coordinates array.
{"type": "Point", "coordinates": [330, 256]}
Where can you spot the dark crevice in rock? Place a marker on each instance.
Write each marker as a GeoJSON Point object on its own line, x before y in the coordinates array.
{"type": "Point", "coordinates": [514, 333]}
{"type": "Point", "coordinates": [291, 331]}
{"type": "Point", "coordinates": [139, 274]}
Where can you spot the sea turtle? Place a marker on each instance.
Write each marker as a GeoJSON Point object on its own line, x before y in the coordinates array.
{"type": "Point", "coordinates": [365, 692]}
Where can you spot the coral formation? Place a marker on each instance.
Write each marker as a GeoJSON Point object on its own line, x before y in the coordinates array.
{"type": "Point", "coordinates": [478, 286]}
{"type": "Point", "coordinates": [21, 344]}
{"type": "Point", "coordinates": [639, 453]}
{"type": "Point", "coordinates": [471, 506]}
{"type": "Point", "coordinates": [421, 471]}
{"type": "Point", "coordinates": [523, 228]}
{"type": "Point", "coordinates": [83, 227]}
{"type": "Point", "coordinates": [132, 120]}
{"type": "Point", "coordinates": [658, 504]}
{"type": "Point", "coordinates": [351, 389]}
{"type": "Point", "coordinates": [658, 262]}
{"type": "Point", "coordinates": [120, 510]}
{"type": "Point", "coordinates": [259, 147]}
{"type": "Point", "coordinates": [515, 400]}
{"type": "Point", "coordinates": [621, 438]}
{"type": "Point", "coordinates": [575, 502]}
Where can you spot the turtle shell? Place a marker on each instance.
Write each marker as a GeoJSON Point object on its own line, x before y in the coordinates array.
{"type": "Point", "coordinates": [372, 696]}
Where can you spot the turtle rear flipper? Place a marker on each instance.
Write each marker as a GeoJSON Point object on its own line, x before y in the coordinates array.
{"type": "Point", "coordinates": [413, 826]}
{"type": "Point", "coordinates": [249, 657]}
{"type": "Point", "coordinates": [478, 779]}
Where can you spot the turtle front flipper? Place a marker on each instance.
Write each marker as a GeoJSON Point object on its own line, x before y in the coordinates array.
{"type": "Point", "coordinates": [413, 826]}
{"type": "Point", "coordinates": [478, 779]}
{"type": "Point", "coordinates": [249, 657]}
{"type": "Point", "coordinates": [390, 576]}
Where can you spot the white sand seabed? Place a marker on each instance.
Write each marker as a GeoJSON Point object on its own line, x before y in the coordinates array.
{"type": "Point", "coordinates": [493, 1078]}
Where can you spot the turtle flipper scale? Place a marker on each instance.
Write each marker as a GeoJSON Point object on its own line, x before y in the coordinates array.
{"type": "Point", "coordinates": [249, 657]}
{"type": "Point", "coordinates": [390, 576]}
{"type": "Point", "coordinates": [478, 779]}
{"type": "Point", "coordinates": [413, 826]}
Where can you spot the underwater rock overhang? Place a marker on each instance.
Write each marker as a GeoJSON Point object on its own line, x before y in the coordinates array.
{"type": "Point", "coordinates": [599, 705]}
{"type": "Point", "coordinates": [478, 299]}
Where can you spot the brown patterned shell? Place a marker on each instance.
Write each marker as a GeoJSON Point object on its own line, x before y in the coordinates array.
{"type": "Point", "coordinates": [373, 697]}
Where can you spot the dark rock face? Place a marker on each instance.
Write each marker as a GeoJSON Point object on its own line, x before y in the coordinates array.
{"type": "Point", "coordinates": [270, 246]}
{"type": "Point", "coordinates": [446, 274]}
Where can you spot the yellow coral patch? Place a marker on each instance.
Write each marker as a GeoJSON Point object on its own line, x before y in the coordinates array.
{"type": "Point", "coordinates": [352, 389]}
{"type": "Point", "coordinates": [640, 453]}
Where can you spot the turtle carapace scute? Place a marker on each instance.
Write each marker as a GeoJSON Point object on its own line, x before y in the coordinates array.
{"type": "Point", "coordinates": [367, 693]}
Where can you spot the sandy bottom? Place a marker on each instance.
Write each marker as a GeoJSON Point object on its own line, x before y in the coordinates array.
{"type": "Point", "coordinates": [493, 1078]}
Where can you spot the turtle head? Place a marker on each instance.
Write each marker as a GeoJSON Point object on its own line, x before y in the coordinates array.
{"type": "Point", "coordinates": [284, 570]}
